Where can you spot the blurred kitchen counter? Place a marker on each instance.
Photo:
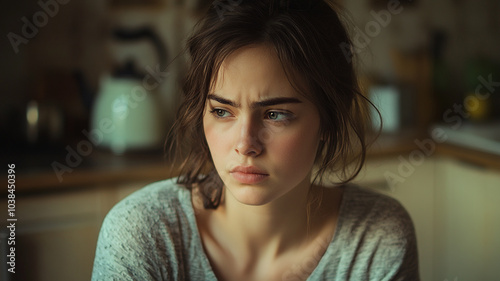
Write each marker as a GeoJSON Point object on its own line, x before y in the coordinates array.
{"type": "Point", "coordinates": [35, 173]}
{"type": "Point", "coordinates": [403, 145]}
{"type": "Point", "coordinates": [472, 156]}
{"type": "Point", "coordinates": [39, 172]}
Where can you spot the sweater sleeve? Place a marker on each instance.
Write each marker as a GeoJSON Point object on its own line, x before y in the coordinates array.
{"type": "Point", "coordinates": [152, 235]}
{"type": "Point", "coordinates": [375, 241]}
{"type": "Point", "coordinates": [394, 255]}
{"type": "Point", "coordinates": [123, 249]}
{"type": "Point", "coordinates": [396, 252]}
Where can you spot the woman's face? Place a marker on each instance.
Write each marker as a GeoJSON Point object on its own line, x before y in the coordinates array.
{"type": "Point", "coordinates": [262, 134]}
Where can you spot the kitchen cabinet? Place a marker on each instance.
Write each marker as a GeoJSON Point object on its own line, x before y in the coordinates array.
{"type": "Point", "coordinates": [56, 234]}
{"type": "Point", "coordinates": [454, 207]}
{"type": "Point", "coordinates": [467, 226]}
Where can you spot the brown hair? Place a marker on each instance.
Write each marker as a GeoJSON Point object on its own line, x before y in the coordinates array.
{"type": "Point", "coordinates": [308, 38]}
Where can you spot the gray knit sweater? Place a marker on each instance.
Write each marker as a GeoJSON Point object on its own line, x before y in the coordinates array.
{"type": "Point", "coordinates": [152, 235]}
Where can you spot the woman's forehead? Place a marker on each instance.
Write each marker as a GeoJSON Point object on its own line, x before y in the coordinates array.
{"type": "Point", "coordinates": [254, 69]}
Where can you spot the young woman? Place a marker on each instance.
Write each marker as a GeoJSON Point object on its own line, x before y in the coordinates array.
{"type": "Point", "coordinates": [271, 106]}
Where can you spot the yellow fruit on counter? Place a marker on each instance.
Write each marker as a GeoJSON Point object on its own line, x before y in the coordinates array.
{"type": "Point", "coordinates": [477, 107]}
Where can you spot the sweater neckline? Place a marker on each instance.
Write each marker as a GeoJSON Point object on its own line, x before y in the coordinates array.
{"type": "Point", "coordinates": [207, 267]}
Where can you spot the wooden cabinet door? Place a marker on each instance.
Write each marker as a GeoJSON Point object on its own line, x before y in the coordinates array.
{"type": "Point", "coordinates": [62, 252]}
{"type": "Point", "coordinates": [56, 235]}
{"type": "Point", "coordinates": [467, 222]}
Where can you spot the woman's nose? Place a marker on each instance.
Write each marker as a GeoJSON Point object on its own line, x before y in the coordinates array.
{"type": "Point", "coordinates": [248, 142]}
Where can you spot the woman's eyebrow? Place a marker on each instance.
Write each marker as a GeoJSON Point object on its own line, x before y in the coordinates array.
{"type": "Point", "coordinates": [263, 103]}
{"type": "Point", "coordinates": [222, 100]}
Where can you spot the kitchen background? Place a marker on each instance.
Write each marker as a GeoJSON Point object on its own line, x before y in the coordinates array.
{"type": "Point", "coordinates": [90, 88]}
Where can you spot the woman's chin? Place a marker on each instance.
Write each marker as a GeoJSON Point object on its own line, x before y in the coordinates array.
{"type": "Point", "coordinates": [251, 195]}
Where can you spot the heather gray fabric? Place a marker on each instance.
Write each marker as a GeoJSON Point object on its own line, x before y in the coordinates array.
{"type": "Point", "coordinates": [152, 235]}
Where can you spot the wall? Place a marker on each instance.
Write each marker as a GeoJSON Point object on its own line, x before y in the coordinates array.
{"type": "Point", "coordinates": [470, 29]}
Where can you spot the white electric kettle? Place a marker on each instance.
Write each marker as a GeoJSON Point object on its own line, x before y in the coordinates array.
{"type": "Point", "coordinates": [125, 113]}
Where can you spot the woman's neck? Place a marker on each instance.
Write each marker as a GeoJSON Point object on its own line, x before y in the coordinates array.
{"type": "Point", "coordinates": [266, 230]}
{"type": "Point", "coordinates": [243, 240]}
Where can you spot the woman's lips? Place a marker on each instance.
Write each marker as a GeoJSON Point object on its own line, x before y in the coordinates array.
{"type": "Point", "coordinates": [249, 178]}
{"type": "Point", "coordinates": [248, 175]}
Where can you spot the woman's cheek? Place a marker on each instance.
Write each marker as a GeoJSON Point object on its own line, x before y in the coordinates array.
{"type": "Point", "coordinates": [210, 133]}
{"type": "Point", "coordinates": [297, 149]}
{"type": "Point", "coordinates": [292, 148]}
{"type": "Point", "coordinates": [217, 138]}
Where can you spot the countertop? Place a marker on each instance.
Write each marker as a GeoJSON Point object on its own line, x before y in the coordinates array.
{"type": "Point", "coordinates": [37, 173]}
{"type": "Point", "coordinates": [50, 170]}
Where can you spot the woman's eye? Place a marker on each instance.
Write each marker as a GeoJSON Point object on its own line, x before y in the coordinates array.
{"type": "Point", "coordinates": [277, 116]}
{"type": "Point", "coordinates": [220, 113]}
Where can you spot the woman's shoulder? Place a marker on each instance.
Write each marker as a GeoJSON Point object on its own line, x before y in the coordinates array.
{"type": "Point", "coordinates": [161, 209]}
{"type": "Point", "coordinates": [367, 204]}
{"type": "Point", "coordinates": [375, 217]}
{"type": "Point", "coordinates": [157, 201]}
{"type": "Point", "coordinates": [375, 239]}
{"type": "Point", "coordinates": [145, 228]}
